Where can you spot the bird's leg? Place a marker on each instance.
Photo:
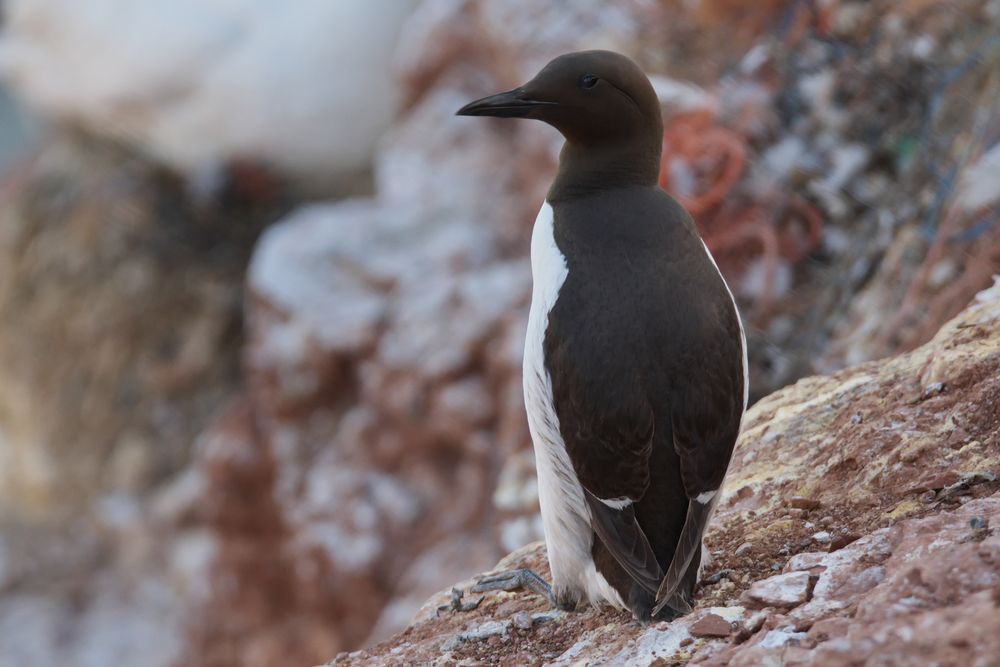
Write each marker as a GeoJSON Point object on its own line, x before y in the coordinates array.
{"type": "Point", "coordinates": [516, 579]}
{"type": "Point", "coordinates": [715, 578]}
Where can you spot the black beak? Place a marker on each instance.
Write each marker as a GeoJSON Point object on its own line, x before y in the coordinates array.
{"type": "Point", "coordinates": [512, 104]}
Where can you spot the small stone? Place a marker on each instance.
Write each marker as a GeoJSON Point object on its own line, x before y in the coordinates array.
{"type": "Point", "coordinates": [782, 637]}
{"type": "Point", "coordinates": [785, 590]}
{"type": "Point", "coordinates": [687, 641]}
{"type": "Point", "coordinates": [522, 620]}
{"type": "Point", "coordinates": [932, 389]}
{"type": "Point", "coordinates": [776, 566]}
{"type": "Point", "coordinates": [823, 537]}
{"type": "Point", "coordinates": [806, 562]}
{"type": "Point", "coordinates": [978, 523]}
{"type": "Point", "coordinates": [711, 625]}
{"type": "Point", "coordinates": [743, 549]}
{"type": "Point", "coordinates": [841, 541]}
{"type": "Point", "coordinates": [801, 503]}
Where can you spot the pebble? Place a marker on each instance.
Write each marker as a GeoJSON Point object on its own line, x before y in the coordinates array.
{"type": "Point", "coordinates": [522, 620]}
{"type": "Point", "coordinates": [801, 503]}
{"type": "Point", "coordinates": [823, 537]}
{"type": "Point", "coordinates": [841, 541]}
{"type": "Point", "coordinates": [785, 590]}
{"type": "Point", "coordinates": [743, 549]}
{"type": "Point", "coordinates": [711, 625]}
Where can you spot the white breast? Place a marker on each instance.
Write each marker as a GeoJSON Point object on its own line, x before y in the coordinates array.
{"type": "Point", "coordinates": [565, 516]}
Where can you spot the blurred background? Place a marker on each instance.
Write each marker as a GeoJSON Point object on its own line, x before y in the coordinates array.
{"type": "Point", "coordinates": [263, 297]}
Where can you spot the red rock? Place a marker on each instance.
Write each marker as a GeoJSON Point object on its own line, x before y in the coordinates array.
{"type": "Point", "coordinates": [801, 503]}
{"type": "Point", "coordinates": [842, 540]}
{"type": "Point", "coordinates": [935, 482]}
{"type": "Point", "coordinates": [711, 625]}
{"type": "Point", "coordinates": [828, 628]}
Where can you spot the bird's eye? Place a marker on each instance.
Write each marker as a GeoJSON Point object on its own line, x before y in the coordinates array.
{"type": "Point", "coordinates": [588, 81]}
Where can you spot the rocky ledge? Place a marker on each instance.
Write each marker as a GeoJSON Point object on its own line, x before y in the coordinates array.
{"type": "Point", "coordinates": [858, 521]}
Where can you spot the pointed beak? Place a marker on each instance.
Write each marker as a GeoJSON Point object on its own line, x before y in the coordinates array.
{"type": "Point", "coordinates": [512, 104]}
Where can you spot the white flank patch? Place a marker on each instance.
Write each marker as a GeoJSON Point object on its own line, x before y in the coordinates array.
{"type": "Point", "coordinates": [713, 496]}
{"type": "Point", "coordinates": [704, 498]}
{"type": "Point", "coordinates": [565, 516]}
{"type": "Point", "coordinates": [617, 503]}
{"type": "Point", "coordinates": [743, 336]}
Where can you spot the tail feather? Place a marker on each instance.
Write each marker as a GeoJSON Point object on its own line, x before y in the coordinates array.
{"type": "Point", "coordinates": [687, 546]}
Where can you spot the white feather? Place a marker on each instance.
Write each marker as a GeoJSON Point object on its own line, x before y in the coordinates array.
{"type": "Point", "coordinates": [565, 516]}
{"type": "Point", "coordinates": [617, 503]}
{"type": "Point", "coordinates": [713, 496]}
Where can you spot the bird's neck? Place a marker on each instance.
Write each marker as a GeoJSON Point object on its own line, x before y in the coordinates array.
{"type": "Point", "coordinates": [585, 169]}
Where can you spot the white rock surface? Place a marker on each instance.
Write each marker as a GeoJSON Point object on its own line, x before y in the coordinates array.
{"type": "Point", "coordinates": [783, 590]}
{"type": "Point", "coordinates": [306, 88]}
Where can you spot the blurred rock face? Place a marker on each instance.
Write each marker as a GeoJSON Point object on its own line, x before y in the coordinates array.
{"type": "Point", "coordinates": [121, 306]}
{"type": "Point", "coordinates": [121, 324]}
{"type": "Point", "coordinates": [197, 84]}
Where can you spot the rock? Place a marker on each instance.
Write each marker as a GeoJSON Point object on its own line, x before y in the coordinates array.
{"type": "Point", "coordinates": [169, 79]}
{"type": "Point", "coordinates": [804, 503]}
{"type": "Point", "coordinates": [522, 620]}
{"type": "Point", "coordinates": [711, 625]}
{"type": "Point", "coordinates": [935, 482]}
{"type": "Point", "coordinates": [131, 297]}
{"type": "Point", "coordinates": [912, 566]}
{"type": "Point", "coordinates": [841, 541]}
{"type": "Point", "coordinates": [785, 590]}
{"type": "Point", "coordinates": [808, 561]}
{"type": "Point", "coordinates": [823, 537]}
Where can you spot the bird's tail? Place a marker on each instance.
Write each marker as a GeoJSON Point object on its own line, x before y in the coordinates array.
{"type": "Point", "coordinates": [687, 546]}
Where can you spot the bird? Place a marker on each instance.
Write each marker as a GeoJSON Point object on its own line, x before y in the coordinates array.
{"type": "Point", "coordinates": [635, 362]}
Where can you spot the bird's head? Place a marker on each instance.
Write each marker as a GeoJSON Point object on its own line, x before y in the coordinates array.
{"type": "Point", "coordinates": [591, 97]}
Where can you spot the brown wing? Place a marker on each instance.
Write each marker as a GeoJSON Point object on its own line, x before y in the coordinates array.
{"type": "Point", "coordinates": [607, 426]}
{"type": "Point", "coordinates": [706, 411]}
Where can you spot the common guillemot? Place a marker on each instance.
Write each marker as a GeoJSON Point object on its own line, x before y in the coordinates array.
{"type": "Point", "coordinates": [635, 364]}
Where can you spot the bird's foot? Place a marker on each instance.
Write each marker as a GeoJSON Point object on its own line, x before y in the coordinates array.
{"type": "Point", "coordinates": [457, 604]}
{"type": "Point", "coordinates": [678, 605]}
{"type": "Point", "coordinates": [715, 578]}
{"type": "Point", "coordinates": [517, 579]}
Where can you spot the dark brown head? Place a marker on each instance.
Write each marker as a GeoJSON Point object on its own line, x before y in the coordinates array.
{"type": "Point", "coordinates": [599, 100]}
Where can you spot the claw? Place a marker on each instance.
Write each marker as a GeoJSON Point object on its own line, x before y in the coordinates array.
{"type": "Point", "coordinates": [456, 603]}
{"type": "Point", "coordinates": [715, 578]}
{"type": "Point", "coordinates": [514, 580]}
